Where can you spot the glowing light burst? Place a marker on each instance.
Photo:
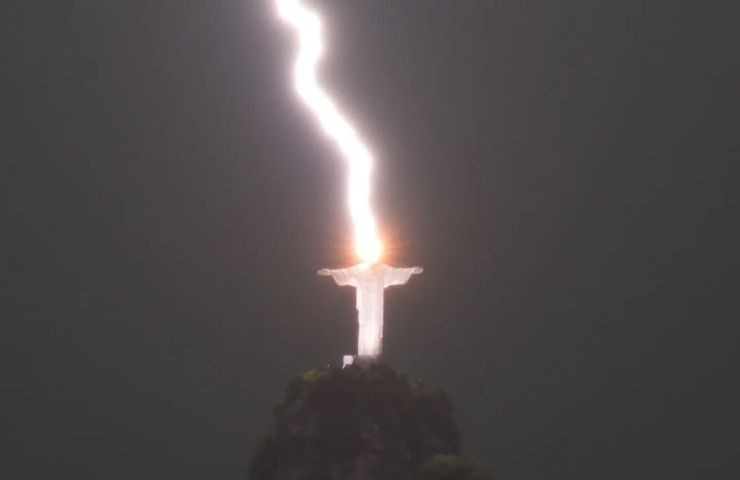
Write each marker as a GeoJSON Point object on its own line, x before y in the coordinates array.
{"type": "Point", "coordinates": [307, 24]}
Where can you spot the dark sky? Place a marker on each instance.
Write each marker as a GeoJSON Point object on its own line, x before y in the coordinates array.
{"type": "Point", "coordinates": [562, 170]}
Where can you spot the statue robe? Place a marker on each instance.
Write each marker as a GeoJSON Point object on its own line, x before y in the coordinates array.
{"type": "Point", "coordinates": [370, 281]}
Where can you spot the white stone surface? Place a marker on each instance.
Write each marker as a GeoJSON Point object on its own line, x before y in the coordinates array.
{"type": "Point", "coordinates": [370, 281]}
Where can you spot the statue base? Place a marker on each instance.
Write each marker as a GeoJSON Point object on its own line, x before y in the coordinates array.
{"type": "Point", "coordinates": [363, 361]}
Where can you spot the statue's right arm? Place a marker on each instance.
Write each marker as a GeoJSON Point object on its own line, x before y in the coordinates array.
{"type": "Point", "coordinates": [343, 276]}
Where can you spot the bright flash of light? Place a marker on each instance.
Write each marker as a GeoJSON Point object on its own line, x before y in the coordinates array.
{"type": "Point", "coordinates": [310, 48]}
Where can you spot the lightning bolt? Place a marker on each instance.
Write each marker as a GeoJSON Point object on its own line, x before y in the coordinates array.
{"type": "Point", "coordinates": [307, 24]}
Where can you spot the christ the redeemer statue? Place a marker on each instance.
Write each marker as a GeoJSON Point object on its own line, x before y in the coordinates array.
{"type": "Point", "coordinates": [370, 280]}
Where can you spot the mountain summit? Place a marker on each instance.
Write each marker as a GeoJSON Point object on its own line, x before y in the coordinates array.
{"type": "Point", "coordinates": [362, 424]}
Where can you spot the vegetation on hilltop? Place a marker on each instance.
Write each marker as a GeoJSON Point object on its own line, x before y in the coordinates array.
{"type": "Point", "coordinates": [362, 424]}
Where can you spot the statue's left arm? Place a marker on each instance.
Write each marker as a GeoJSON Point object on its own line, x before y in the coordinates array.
{"type": "Point", "coordinates": [399, 276]}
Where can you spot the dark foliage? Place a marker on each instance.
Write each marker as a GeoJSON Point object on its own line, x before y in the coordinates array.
{"type": "Point", "coordinates": [356, 424]}
{"type": "Point", "coordinates": [448, 467]}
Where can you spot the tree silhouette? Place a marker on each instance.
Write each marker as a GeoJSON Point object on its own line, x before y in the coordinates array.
{"type": "Point", "coordinates": [361, 424]}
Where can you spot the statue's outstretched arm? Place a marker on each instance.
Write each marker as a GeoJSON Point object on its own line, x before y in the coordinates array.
{"type": "Point", "coordinates": [343, 276]}
{"type": "Point", "coordinates": [399, 276]}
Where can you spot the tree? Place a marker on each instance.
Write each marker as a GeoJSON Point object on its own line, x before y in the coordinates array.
{"type": "Point", "coordinates": [361, 424]}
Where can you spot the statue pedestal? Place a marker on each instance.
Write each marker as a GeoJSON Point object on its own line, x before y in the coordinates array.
{"type": "Point", "coordinates": [363, 361]}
